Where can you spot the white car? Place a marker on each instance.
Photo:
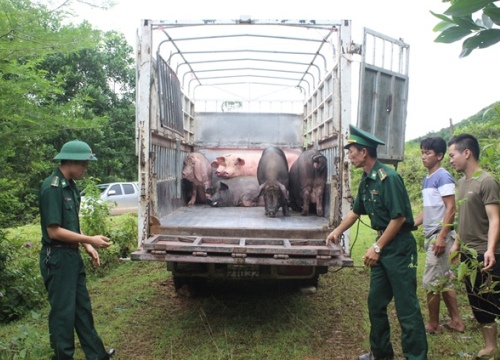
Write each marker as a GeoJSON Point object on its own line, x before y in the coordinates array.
{"type": "Point", "coordinates": [122, 197]}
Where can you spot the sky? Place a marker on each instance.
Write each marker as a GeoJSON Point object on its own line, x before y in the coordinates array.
{"type": "Point", "coordinates": [441, 85]}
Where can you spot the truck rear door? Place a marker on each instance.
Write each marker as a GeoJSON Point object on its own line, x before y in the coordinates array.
{"type": "Point", "coordinates": [383, 94]}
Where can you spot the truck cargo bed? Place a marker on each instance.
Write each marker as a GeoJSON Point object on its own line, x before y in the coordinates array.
{"type": "Point", "coordinates": [239, 235]}
{"type": "Point", "coordinates": [239, 220]}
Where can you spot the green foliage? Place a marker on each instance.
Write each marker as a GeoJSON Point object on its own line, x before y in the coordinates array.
{"type": "Point", "coordinates": [122, 231]}
{"type": "Point", "coordinates": [29, 32]}
{"type": "Point", "coordinates": [95, 221]}
{"type": "Point", "coordinates": [465, 271]}
{"type": "Point", "coordinates": [21, 286]}
{"type": "Point", "coordinates": [485, 126]}
{"type": "Point", "coordinates": [93, 212]}
{"type": "Point", "coordinates": [124, 235]}
{"type": "Point", "coordinates": [457, 24]}
{"type": "Point", "coordinates": [60, 82]}
{"type": "Point", "coordinates": [27, 343]}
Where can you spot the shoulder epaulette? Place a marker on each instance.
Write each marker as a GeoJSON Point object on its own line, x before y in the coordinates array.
{"type": "Point", "coordinates": [55, 181]}
{"type": "Point", "coordinates": [382, 174]}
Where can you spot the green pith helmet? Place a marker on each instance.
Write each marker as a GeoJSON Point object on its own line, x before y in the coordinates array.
{"type": "Point", "coordinates": [361, 137]}
{"type": "Point", "coordinates": [75, 150]}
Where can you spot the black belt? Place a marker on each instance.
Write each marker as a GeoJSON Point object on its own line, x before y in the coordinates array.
{"type": "Point", "coordinates": [437, 231]}
{"type": "Point", "coordinates": [380, 232]}
{"type": "Point", "coordinates": [63, 246]}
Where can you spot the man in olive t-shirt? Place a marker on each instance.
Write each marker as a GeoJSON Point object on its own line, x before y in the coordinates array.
{"type": "Point", "coordinates": [478, 229]}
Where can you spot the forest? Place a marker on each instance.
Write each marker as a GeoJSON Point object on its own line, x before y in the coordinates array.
{"type": "Point", "coordinates": [60, 81]}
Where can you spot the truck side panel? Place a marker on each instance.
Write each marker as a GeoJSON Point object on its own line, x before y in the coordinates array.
{"type": "Point", "coordinates": [248, 130]}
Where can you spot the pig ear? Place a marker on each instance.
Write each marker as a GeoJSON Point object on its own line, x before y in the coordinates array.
{"type": "Point", "coordinates": [283, 190]}
{"type": "Point", "coordinates": [221, 160]}
{"type": "Point", "coordinates": [215, 163]}
{"type": "Point", "coordinates": [209, 191]}
{"type": "Point", "coordinates": [241, 161]}
{"type": "Point", "coordinates": [223, 186]}
{"type": "Point", "coordinates": [261, 187]}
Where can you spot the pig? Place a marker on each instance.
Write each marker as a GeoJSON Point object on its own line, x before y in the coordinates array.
{"type": "Point", "coordinates": [244, 164]}
{"type": "Point", "coordinates": [232, 165]}
{"type": "Point", "coordinates": [238, 191]}
{"type": "Point", "coordinates": [197, 170]}
{"type": "Point", "coordinates": [307, 182]}
{"type": "Point", "coordinates": [272, 174]}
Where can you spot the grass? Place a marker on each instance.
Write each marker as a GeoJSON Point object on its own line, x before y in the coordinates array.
{"type": "Point", "coordinates": [138, 312]}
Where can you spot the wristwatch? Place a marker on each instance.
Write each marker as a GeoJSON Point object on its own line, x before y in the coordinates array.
{"type": "Point", "coordinates": [376, 247]}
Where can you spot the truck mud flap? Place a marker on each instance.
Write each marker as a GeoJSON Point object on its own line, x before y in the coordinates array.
{"type": "Point", "coordinates": [228, 250]}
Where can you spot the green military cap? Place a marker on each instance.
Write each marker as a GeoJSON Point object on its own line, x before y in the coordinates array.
{"type": "Point", "coordinates": [75, 150]}
{"type": "Point", "coordinates": [361, 137]}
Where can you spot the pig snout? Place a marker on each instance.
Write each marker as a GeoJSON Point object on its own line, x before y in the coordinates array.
{"type": "Point", "coordinates": [271, 213]}
{"type": "Point", "coordinates": [219, 172]}
{"type": "Point", "coordinates": [212, 202]}
{"type": "Point", "coordinates": [222, 172]}
{"type": "Point", "coordinates": [225, 174]}
{"type": "Point", "coordinates": [188, 173]}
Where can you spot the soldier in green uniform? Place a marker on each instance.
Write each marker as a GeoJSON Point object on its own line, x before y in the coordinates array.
{"type": "Point", "coordinates": [393, 257]}
{"type": "Point", "coordinates": [61, 264]}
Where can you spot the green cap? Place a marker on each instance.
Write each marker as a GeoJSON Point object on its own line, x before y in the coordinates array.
{"type": "Point", "coordinates": [75, 150]}
{"type": "Point", "coordinates": [363, 138]}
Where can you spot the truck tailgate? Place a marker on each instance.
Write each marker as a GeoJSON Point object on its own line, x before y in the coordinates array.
{"type": "Point", "coordinates": [306, 252]}
{"type": "Point", "coordinates": [238, 235]}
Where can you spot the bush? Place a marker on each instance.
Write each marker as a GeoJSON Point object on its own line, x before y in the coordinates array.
{"type": "Point", "coordinates": [21, 285]}
{"type": "Point", "coordinates": [27, 344]}
{"type": "Point", "coordinates": [122, 231]}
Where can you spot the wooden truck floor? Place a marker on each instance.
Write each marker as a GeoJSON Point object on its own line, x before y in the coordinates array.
{"type": "Point", "coordinates": [205, 216]}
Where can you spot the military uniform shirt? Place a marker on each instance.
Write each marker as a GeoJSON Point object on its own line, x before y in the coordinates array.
{"type": "Point", "coordinates": [59, 204]}
{"type": "Point", "coordinates": [383, 197]}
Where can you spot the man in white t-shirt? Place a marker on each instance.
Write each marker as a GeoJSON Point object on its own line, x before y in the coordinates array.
{"type": "Point", "coordinates": [438, 191]}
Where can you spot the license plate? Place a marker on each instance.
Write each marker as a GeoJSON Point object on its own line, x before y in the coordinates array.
{"type": "Point", "coordinates": [242, 271]}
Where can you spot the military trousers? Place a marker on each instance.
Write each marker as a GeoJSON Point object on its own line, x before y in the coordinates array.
{"type": "Point", "coordinates": [395, 276]}
{"type": "Point", "coordinates": [64, 276]}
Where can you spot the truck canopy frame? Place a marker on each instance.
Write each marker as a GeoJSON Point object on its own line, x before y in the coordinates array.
{"type": "Point", "coordinates": [259, 56]}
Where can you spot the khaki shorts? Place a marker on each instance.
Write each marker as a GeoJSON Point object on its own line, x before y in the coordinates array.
{"type": "Point", "coordinates": [436, 266]}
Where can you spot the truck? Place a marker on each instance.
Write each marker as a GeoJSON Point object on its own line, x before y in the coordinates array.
{"type": "Point", "coordinates": [241, 85]}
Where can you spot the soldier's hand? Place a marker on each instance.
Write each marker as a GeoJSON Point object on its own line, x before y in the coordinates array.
{"type": "Point", "coordinates": [100, 241]}
{"type": "Point", "coordinates": [333, 237]}
{"type": "Point", "coordinates": [371, 257]}
{"type": "Point", "coordinates": [93, 254]}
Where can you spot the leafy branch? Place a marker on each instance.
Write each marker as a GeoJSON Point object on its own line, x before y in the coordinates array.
{"type": "Point", "coordinates": [457, 23]}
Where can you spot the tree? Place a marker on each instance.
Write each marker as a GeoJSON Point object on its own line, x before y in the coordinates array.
{"type": "Point", "coordinates": [59, 81]}
{"type": "Point", "coordinates": [457, 24]}
{"type": "Point", "coordinates": [105, 74]}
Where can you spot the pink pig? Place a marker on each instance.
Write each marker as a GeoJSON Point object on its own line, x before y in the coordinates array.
{"type": "Point", "coordinates": [244, 164]}
{"type": "Point", "coordinates": [232, 165]}
{"type": "Point", "coordinates": [197, 170]}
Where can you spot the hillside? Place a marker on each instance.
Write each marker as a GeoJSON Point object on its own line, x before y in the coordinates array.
{"type": "Point", "coordinates": [486, 115]}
